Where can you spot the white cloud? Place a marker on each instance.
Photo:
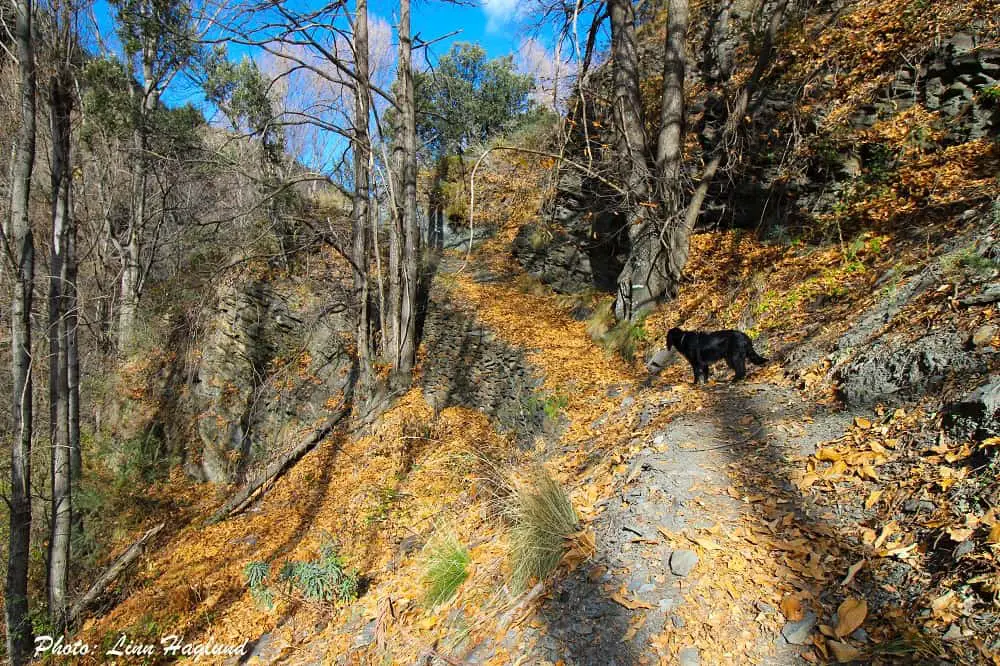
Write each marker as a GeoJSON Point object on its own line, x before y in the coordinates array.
{"type": "Point", "coordinates": [500, 12]}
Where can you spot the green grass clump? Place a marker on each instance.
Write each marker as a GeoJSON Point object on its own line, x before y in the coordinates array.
{"type": "Point", "coordinates": [620, 337]}
{"type": "Point", "coordinates": [447, 569]}
{"type": "Point", "coordinates": [542, 520]}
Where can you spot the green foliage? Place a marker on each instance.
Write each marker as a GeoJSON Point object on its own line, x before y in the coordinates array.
{"type": "Point", "coordinates": [324, 580]}
{"type": "Point", "coordinates": [542, 519]}
{"type": "Point", "coordinates": [385, 497]}
{"type": "Point", "coordinates": [624, 337]}
{"type": "Point", "coordinates": [255, 574]}
{"type": "Point", "coordinates": [468, 99]}
{"type": "Point", "coordinates": [991, 94]}
{"type": "Point", "coordinates": [552, 404]}
{"type": "Point", "coordinates": [162, 28]}
{"type": "Point", "coordinates": [968, 264]}
{"type": "Point", "coordinates": [107, 104]}
{"type": "Point", "coordinates": [447, 569]}
{"type": "Point", "coordinates": [239, 89]}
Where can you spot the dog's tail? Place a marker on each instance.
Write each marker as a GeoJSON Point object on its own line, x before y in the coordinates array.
{"type": "Point", "coordinates": [756, 358]}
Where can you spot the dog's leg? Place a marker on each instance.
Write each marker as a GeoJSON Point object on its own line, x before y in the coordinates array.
{"type": "Point", "coordinates": [738, 364]}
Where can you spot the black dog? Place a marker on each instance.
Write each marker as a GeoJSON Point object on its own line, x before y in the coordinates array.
{"type": "Point", "coordinates": [703, 349]}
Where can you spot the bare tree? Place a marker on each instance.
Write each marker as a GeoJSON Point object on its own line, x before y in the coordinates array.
{"type": "Point", "coordinates": [19, 246]}
{"type": "Point", "coordinates": [60, 297]}
{"type": "Point", "coordinates": [360, 215]}
{"type": "Point", "coordinates": [404, 245]}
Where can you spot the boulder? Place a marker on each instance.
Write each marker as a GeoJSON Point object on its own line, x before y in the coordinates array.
{"type": "Point", "coordinates": [977, 415]}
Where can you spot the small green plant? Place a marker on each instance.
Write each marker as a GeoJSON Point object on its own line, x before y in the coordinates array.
{"type": "Point", "coordinates": [552, 404]}
{"type": "Point", "coordinates": [967, 263]}
{"type": "Point", "coordinates": [539, 238]}
{"type": "Point", "coordinates": [991, 94]}
{"type": "Point", "coordinates": [255, 574]}
{"type": "Point", "coordinates": [623, 337]}
{"type": "Point", "coordinates": [447, 569]}
{"type": "Point", "coordinates": [325, 579]}
{"type": "Point", "coordinates": [601, 321]}
{"type": "Point", "coordinates": [542, 520]}
{"type": "Point", "coordinates": [385, 497]}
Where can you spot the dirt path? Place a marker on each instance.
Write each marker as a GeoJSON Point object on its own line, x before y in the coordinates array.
{"type": "Point", "coordinates": [703, 533]}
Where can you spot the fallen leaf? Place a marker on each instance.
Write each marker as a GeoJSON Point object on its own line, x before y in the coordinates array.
{"type": "Point", "coordinates": [959, 534]}
{"type": "Point", "coordinates": [707, 544]}
{"type": "Point", "coordinates": [887, 531]}
{"type": "Point", "coordinates": [994, 535]}
{"type": "Point", "coordinates": [850, 615]}
{"type": "Point", "coordinates": [873, 498]}
{"type": "Point", "coordinates": [791, 608]}
{"type": "Point", "coordinates": [842, 652]}
{"type": "Point", "coordinates": [852, 572]}
{"type": "Point", "coordinates": [862, 422]}
{"type": "Point", "coordinates": [631, 604]}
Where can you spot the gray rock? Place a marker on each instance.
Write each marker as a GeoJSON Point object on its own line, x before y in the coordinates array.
{"type": "Point", "coordinates": [983, 335]}
{"type": "Point", "coordinates": [977, 415]}
{"type": "Point", "coordinates": [689, 656]}
{"type": "Point", "coordinates": [682, 562]}
{"type": "Point", "coordinates": [797, 633]}
{"type": "Point", "coordinates": [963, 549]}
{"type": "Point", "coordinates": [884, 371]}
{"type": "Point", "coordinates": [954, 633]}
{"type": "Point", "coordinates": [659, 360]}
{"type": "Point", "coordinates": [917, 506]}
{"type": "Point", "coordinates": [860, 635]}
{"type": "Point", "coordinates": [762, 607]}
{"type": "Point", "coordinates": [678, 621]}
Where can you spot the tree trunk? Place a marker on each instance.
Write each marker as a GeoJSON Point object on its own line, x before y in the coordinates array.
{"type": "Point", "coordinates": [360, 211]}
{"type": "Point", "coordinates": [404, 240]}
{"type": "Point", "coordinates": [22, 251]}
{"type": "Point", "coordinates": [411, 232]}
{"type": "Point", "coordinates": [131, 281]}
{"type": "Point", "coordinates": [671, 143]}
{"type": "Point", "coordinates": [61, 477]}
{"type": "Point", "coordinates": [639, 284]}
{"type": "Point", "coordinates": [132, 249]}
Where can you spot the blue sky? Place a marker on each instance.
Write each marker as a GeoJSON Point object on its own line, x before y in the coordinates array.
{"type": "Point", "coordinates": [494, 24]}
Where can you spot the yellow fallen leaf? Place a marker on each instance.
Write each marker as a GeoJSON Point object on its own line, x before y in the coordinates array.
{"type": "Point", "coordinates": [873, 498]}
{"type": "Point", "coordinates": [888, 530]}
{"type": "Point", "coordinates": [631, 604]}
{"type": "Point", "coordinates": [899, 551]}
{"type": "Point", "coordinates": [994, 535]}
{"type": "Point", "coordinates": [842, 652]}
{"type": "Point", "coordinates": [707, 544]}
{"type": "Point", "coordinates": [791, 608]}
{"type": "Point", "coordinates": [850, 615]}
{"type": "Point", "coordinates": [862, 422]}
{"type": "Point", "coordinates": [828, 454]}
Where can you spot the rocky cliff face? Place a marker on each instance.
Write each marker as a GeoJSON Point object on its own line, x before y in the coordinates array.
{"type": "Point", "coordinates": [576, 244]}
{"type": "Point", "coordinates": [466, 365]}
{"type": "Point", "coordinates": [272, 366]}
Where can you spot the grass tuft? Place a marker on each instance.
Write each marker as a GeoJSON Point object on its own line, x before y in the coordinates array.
{"type": "Point", "coordinates": [447, 569]}
{"type": "Point", "coordinates": [542, 520]}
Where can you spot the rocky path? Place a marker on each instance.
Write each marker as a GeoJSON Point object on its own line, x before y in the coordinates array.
{"type": "Point", "coordinates": [706, 551]}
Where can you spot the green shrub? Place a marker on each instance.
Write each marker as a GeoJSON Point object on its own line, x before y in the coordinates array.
{"type": "Point", "coordinates": [542, 519]}
{"type": "Point", "coordinates": [324, 580]}
{"type": "Point", "coordinates": [447, 569]}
